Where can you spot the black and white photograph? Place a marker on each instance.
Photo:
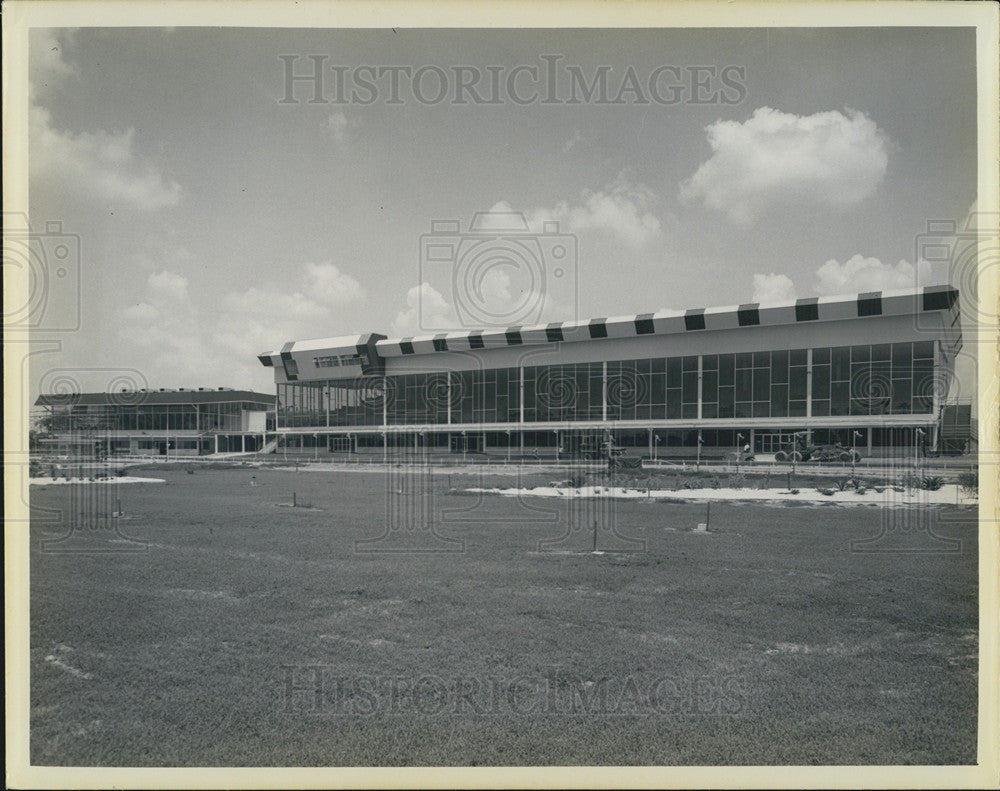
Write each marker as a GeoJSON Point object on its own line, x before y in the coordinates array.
{"type": "Point", "coordinates": [571, 395]}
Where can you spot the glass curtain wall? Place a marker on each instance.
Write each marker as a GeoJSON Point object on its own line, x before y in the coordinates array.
{"type": "Point", "coordinates": [866, 379]}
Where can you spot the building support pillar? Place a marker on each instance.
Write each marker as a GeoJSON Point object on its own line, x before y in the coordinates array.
{"type": "Point", "coordinates": [809, 393]}
{"type": "Point", "coordinates": [700, 391]}
{"type": "Point", "coordinates": [604, 391]}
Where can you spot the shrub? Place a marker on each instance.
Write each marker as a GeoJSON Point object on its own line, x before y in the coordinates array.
{"type": "Point", "coordinates": [969, 481]}
{"type": "Point", "coordinates": [577, 480]}
{"type": "Point", "coordinates": [827, 492]}
{"type": "Point", "coordinates": [843, 483]}
{"type": "Point", "coordinates": [932, 482]}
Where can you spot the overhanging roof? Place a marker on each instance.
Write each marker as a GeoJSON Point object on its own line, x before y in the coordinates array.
{"type": "Point", "coordinates": [154, 397]}
{"type": "Point", "coordinates": [917, 301]}
{"type": "Point", "coordinates": [730, 317]}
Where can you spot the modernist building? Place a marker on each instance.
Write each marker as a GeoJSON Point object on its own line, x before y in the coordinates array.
{"type": "Point", "coordinates": [870, 370]}
{"type": "Point", "coordinates": [155, 422]}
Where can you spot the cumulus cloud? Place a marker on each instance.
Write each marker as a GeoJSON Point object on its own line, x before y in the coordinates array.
{"type": "Point", "coordinates": [97, 164]}
{"type": "Point", "coordinates": [340, 126]}
{"type": "Point", "coordinates": [571, 142]}
{"type": "Point", "coordinates": [251, 319]}
{"type": "Point", "coordinates": [623, 208]}
{"type": "Point", "coordinates": [772, 288]}
{"type": "Point", "coordinates": [856, 275]}
{"type": "Point", "coordinates": [499, 302]}
{"type": "Point", "coordinates": [775, 160]}
{"type": "Point", "coordinates": [860, 274]}
{"type": "Point", "coordinates": [169, 284]}
{"type": "Point", "coordinates": [426, 309]}
{"type": "Point", "coordinates": [181, 339]}
{"type": "Point", "coordinates": [46, 62]}
{"type": "Point", "coordinates": [100, 165]}
{"type": "Point", "coordinates": [328, 285]}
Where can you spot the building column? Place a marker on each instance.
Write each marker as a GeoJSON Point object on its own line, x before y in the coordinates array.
{"type": "Point", "coordinates": [869, 441]}
{"type": "Point", "coordinates": [216, 440]}
{"type": "Point", "coordinates": [520, 410]}
{"type": "Point", "coordinates": [650, 442]}
{"type": "Point", "coordinates": [700, 391]}
{"type": "Point", "coordinates": [243, 443]}
{"type": "Point", "coordinates": [809, 382]}
{"type": "Point", "coordinates": [604, 391]}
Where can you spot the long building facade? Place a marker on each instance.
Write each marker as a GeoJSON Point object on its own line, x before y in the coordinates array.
{"type": "Point", "coordinates": [870, 370]}
{"type": "Point", "coordinates": [162, 422]}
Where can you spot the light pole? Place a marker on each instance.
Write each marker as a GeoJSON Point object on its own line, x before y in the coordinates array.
{"type": "Point", "coordinates": [465, 446]}
{"type": "Point", "coordinates": [697, 464]}
{"type": "Point", "coordinates": [315, 447]}
{"type": "Point", "coordinates": [556, 432]}
{"type": "Point", "coordinates": [739, 450]}
{"type": "Point", "coordinates": [795, 447]}
{"type": "Point", "coordinates": [916, 445]}
{"type": "Point", "coordinates": [507, 432]}
{"type": "Point", "coordinates": [656, 447]}
{"type": "Point", "coordinates": [854, 454]}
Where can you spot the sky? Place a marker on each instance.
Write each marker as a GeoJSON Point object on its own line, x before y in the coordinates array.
{"type": "Point", "coordinates": [219, 210]}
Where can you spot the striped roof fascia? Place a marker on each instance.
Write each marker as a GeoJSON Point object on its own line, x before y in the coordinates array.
{"type": "Point", "coordinates": [343, 344]}
{"type": "Point", "coordinates": [727, 317]}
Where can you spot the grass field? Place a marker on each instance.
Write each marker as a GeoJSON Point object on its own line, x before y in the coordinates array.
{"type": "Point", "coordinates": [242, 631]}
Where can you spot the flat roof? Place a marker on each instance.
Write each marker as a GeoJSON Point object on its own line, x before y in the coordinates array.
{"type": "Point", "coordinates": [153, 397]}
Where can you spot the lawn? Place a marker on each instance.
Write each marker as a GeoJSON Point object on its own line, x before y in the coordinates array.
{"type": "Point", "coordinates": [239, 630]}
